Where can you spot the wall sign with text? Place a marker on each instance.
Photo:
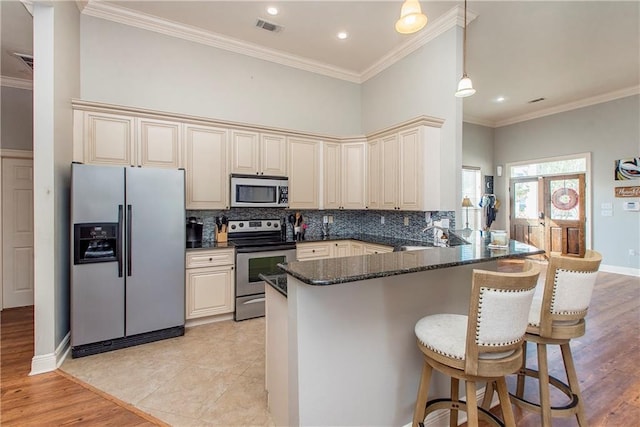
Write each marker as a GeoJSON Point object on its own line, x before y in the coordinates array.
{"type": "Point", "coordinates": [627, 191]}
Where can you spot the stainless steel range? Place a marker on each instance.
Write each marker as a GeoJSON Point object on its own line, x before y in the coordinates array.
{"type": "Point", "coordinates": [260, 246]}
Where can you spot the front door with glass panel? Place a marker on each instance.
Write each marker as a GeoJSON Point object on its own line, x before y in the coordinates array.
{"type": "Point", "coordinates": [548, 212]}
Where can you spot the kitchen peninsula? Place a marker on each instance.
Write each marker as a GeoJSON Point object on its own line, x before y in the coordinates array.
{"type": "Point", "coordinates": [340, 344]}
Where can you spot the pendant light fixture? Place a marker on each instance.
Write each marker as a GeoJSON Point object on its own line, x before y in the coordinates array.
{"type": "Point", "coordinates": [411, 18]}
{"type": "Point", "coordinates": [465, 86]}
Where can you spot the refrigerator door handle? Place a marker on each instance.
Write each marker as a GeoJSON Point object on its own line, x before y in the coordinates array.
{"type": "Point", "coordinates": [119, 247]}
{"type": "Point", "coordinates": [129, 227]}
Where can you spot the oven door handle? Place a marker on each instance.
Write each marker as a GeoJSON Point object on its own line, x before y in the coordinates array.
{"type": "Point", "coordinates": [254, 249]}
{"type": "Point", "coordinates": [254, 301]}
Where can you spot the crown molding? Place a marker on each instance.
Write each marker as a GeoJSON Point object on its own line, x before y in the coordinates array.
{"type": "Point", "coordinates": [122, 15]}
{"type": "Point", "coordinates": [479, 121]}
{"type": "Point", "coordinates": [598, 99]}
{"type": "Point", "coordinates": [28, 4]}
{"type": "Point", "coordinates": [455, 16]}
{"type": "Point", "coordinates": [16, 154]}
{"type": "Point", "coordinates": [197, 35]}
{"type": "Point", "coordinates": [16, 83]}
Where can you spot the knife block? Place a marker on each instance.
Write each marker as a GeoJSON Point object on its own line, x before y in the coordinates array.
{"type": "Point", "coordinates": [221, 236]}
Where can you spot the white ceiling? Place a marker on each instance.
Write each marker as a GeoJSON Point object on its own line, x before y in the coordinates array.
{"type": "Point", "coordinates": [570, 52]}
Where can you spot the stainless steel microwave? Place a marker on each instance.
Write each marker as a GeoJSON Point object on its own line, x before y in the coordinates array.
{"type": "Point", "coordinates": [248, 191]}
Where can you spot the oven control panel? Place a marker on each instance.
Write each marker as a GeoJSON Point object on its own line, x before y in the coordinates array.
{"type": "Point", "coordinates": [253, 225]}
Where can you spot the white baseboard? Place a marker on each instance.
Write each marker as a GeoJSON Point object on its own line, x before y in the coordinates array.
{"type": "Point", "coordinates": [441, 419]}
{"type": "Point", "coordinates": [209, 319]}
{"type": "Point", "coordinates": [52, 361]}
{"type": "Point", "coordinates": [627, 271]}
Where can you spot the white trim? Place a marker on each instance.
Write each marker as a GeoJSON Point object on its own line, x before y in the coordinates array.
{"type": "Point", "coordinates": [52, 361]}
{"type": "Point", "coordinates": [453, 17]}
{"type": "Point", "coordinates": [627, 271]}
{"type": "Point", "coordinates": [28, 4]}
{"type": "Point", "coordinates": [17, 83]}
{"type": "Point", "coordinates": [598, 99]}
{"type": "Point", "coordinates": [478, 121]}
{"type": "Point", "coordinates": [16, 154]}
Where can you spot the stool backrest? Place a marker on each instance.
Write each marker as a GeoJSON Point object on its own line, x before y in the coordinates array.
{"type": "Point", "coordinates": [567, 290]}
{"type": "Point", "coordinates": [498, 312]}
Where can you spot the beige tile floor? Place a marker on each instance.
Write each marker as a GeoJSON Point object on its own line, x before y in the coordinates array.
{"type": "Point", "coordinates": [211, 376]}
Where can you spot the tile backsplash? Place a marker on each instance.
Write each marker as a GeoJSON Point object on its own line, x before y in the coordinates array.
{"type": "Point", "coordinates": [344, 221]}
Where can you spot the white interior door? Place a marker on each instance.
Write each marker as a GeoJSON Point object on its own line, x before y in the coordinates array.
{"type": "Point", "coordinates": [17, 232]}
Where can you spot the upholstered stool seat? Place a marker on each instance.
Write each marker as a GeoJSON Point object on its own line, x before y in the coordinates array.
{"type": "Point", "coordinates": [556, 316]}
{"type": "Point", "coordinates": [484, 345]}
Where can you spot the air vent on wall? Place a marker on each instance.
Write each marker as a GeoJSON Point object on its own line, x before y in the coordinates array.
{"type": "Point", "coordinates": [269, 26]}
{"type": "Point", "coordinates": [26, 59]}
{"type": "Point", "coordinates": [533, 101]}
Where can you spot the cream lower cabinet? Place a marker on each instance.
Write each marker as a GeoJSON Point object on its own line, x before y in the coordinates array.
{"type": "Point", "coordinates": [338, 249]}
{"type": "Point", "coordinates": [207, 179]}
{"type": "Point", "coordinates": [210, 283]}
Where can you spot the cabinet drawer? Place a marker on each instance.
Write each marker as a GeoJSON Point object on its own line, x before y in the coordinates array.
{"type": "Point", "coordinates": [313, 251]}
{"type": "Point", "coordinates": [209, 258]}
{"type": "Point", "coordinates": [372, 248]}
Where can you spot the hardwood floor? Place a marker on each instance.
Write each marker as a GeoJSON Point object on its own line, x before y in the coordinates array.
{"type": "Point", "coordinates": [606, 361]}
{"type": "Point", "coordinates": [51, 399]}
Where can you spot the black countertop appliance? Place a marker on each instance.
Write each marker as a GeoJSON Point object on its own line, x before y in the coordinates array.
{"type": "Point", "coordinates": [194, 232]}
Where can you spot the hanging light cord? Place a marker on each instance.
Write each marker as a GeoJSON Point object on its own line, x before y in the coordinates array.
{"type": "Point", "coordinates": [464, 43]}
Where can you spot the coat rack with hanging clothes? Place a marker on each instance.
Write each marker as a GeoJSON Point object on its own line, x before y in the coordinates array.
{"type": "Point", "coordinates": [490, 203]}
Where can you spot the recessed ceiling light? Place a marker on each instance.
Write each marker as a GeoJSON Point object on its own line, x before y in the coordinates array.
{"type": "Point", "coordinates": [500, 99]}
{"type": "Point", "coordinates": [343, 35]}
{"type": "Point", "coordinates": [272, 10]}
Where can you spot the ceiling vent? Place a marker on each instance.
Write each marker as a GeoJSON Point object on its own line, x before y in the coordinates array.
{"type": "Point", "coordinates": [26, 59]}
{"type": "Point", "coordinates": [269, 26]}
{"type": "Point", "coordinates": [533, 101]}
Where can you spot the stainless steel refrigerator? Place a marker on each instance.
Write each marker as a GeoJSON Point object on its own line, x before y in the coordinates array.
{"type": "Point", "coordinates": [128, 277]}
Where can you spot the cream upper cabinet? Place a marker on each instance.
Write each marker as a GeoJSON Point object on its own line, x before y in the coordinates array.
{"type": "Point", "coordinates": [111, 139]}
{"type": "Point", "coordinates": [159, 143]}
{"type": "Point", "coordinates": [207, 179]}
{"type": "Point", "coordinates": [374, 174]}
{"type": "Point", "coordinates": [304, 173]}
{"type": "Point", "coordinates": [354, 175]}
{"type": "Point", "coordinates": [254, 153]}
{"type": "Point", "coordinates": [344, 175]}
{"type": "Point", "coordinates": [332, 175]}
{"type": "Point", "coordinates": [409, 170]}
{"type": "Point", "coordinates": [106, 139]}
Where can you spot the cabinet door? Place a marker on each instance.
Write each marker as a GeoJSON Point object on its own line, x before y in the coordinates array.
{"type": "Point", "coordinates": [332, 176]}
{"type": "Point", "coordinates": [209, 291]}
{"type": "Point", "coordinates": [304, 172]}
{"type": "Point", "coordinates": [371, 249]}
{"type": "Point", "coordinates": [109, 139]}
{"type": "Point", "coordinates": [316, 250]}
{"type": "Point", "coordinates": [273, 155]}
{"type": "Point", "coordinates": [374, 175]}
{"type": "Point", "coordinates": [245, 152]}
{"type": "Point", "coordinates": [341, 249]}
{"type": "Point", "coordinates": [353, 175]}
{"type": "Point", "coordinates": [207, 179]}
{"type": "Point", "coordinates": [389, 172]}
{"type": "Point", "coordinates": [357, 248]}
{"type": "Point", "coordinates": [411, 170]}
{"type": "Point", "coordinates": [159, 144]}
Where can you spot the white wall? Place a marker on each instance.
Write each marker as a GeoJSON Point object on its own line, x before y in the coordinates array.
{"type": "Point", "coordinates": [16, 118]}
{"type": "Point", "coordinates": [423, 83]}
{"type": "Point", "coordinates": [477, 147]}
{"type": "Point", "coordinates": [610, 132]}
{"type": "Point", "coordinates": [125, 65]}
{"type": "Point", "coordinates": [56, 81]}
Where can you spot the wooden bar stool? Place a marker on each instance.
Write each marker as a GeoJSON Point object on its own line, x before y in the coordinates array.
{"type": "Point", "coordinates": [483, 346]}
{"type": "Point", "coordinates": [557, 315]}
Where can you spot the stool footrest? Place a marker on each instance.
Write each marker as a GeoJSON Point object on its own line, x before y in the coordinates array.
{"type": "Point", "coordinates": [567, 410]}
{"type": "Point", "coordinates": [460, 405]}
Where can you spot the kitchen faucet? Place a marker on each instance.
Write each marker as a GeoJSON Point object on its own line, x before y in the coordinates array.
{"type": "Point", "coordinates": [436, 227]}
{"type": "Point", "coordinates": [443, 239]}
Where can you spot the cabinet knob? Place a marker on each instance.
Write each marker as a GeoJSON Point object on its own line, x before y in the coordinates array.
{"type": "Point", "coordinates": [232, 267]}
{"type": "Point", "coordinates": [313, 250]}
{"type": "Point", "coordinates": [210, 259]}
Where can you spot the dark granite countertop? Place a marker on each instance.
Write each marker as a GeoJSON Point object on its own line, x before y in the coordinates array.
{"type": "Point", "coordinates": [276, 281]}
{"type": "Point", "coordinates": [350, 269]}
